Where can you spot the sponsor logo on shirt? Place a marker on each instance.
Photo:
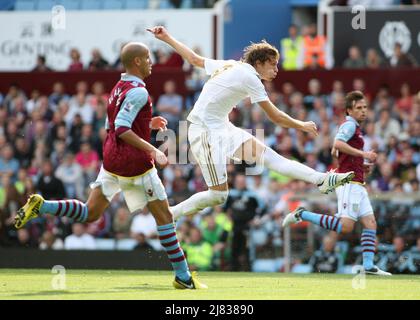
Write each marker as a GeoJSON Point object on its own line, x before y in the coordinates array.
{"type": "Point", "coordinates": [128, 107]}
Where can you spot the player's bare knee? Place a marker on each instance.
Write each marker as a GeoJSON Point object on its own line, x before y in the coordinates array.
{"type": "Point", "coordinates": [347, 228]}
{"type": "Point", "coordinates": [371, 224]}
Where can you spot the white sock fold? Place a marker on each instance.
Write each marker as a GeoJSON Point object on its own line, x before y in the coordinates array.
{"type": "Point", "coordinates": [293, 169]}
{"type": "Point", "coordinates": [198, 202]}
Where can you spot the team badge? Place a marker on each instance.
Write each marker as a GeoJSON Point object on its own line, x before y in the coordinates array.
{"type": "Point", "coordinates": [128, 107]}
{"type": "Point", "coordinates": [355, 207]}
{"type": "Point", "coordinates": [149, 192]}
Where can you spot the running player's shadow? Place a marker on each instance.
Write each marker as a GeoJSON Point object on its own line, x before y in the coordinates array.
{"type": "Point", "coordinates": [147, 287]}
{"type": "Point", "coordinates": [142, 287]}
{"type": "Point", "coordinates": [48, 293]}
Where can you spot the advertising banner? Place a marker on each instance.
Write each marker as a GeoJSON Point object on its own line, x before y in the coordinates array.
{"type": "Point", "coordinates": [24, 35]}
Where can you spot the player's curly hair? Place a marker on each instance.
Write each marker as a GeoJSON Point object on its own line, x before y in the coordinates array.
{"type": "Point", "coordinates": [261, 51]}
{"type": "Point", "coordinates": [351, 99]}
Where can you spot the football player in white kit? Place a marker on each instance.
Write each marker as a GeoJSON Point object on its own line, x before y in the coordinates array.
{"type": "Point", "coordinates": [213, 139]}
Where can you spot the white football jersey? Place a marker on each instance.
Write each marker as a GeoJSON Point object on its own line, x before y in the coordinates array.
{"type": "Point", "coordinates": [231, 81]}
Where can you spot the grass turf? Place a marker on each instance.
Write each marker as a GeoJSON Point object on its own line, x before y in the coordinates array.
{"type": "Point", "coordinates": [157, 285]}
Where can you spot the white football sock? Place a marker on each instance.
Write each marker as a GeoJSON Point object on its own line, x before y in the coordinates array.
{"type": "Point", "coordinates": [198, 202]}
{"type": "Point", "coordinates": [293, 169]}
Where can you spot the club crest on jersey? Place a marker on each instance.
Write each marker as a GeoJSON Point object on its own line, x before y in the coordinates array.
{"type": "Point", "coordinates": [149, 192]}
{"type": "Point", "coordinates": [344, 205]}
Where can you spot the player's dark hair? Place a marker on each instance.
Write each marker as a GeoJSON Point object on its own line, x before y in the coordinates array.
{"type": "Point", "coordinates": [261, 51]}
{"type": "Point", "coordinates": [351, 99]}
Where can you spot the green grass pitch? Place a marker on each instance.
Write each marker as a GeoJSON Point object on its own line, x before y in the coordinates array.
{"type": "Point", "coordinates": [157, 285]}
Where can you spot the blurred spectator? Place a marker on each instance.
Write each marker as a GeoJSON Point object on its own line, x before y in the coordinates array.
{"type": "Point", "coordinates": [80, 106]}
{"type": "Point", "coordinates": [406, 100]}
{"type": "Point", "coordinates": [122, 223]}
{"type": "Point", "coordinates": [169, 105]}
{"type": "Point", "coordinates": [76, 128]}
{"type": "Point", "coordinates": [24, 239]}
{"type": "Point", "coordinates": [325, 260]}
{"type": "Point", "coordinates": [13, 92]}
{"type": "Point", "coordinates": [165, 59]}
{"type": "Point", "coordinates": [315, 52]}
{"type": "Point", "coordinates": [216, 233]}
{"type": "Point", "coordinates": [314, 88]}
{"type": "Point", "coordinates": [373, 59]}
{"type": "Point", "coordinates": [397, 258]}
{"type": "Point", "coordinates": [290, 49]}
{"type": "Point", "coordinates": [144, 223]}
{"type": "Point", "coordinates": [386, 126]}
{"type": "Point", "coordinates": [50, 242]}
{"type": "Point", "coordinates": [180, 191]}
{"type": "Point", "coordinates": [88, 160]}
{"type": "Point", "coordinates": [360, 85]}
{"type": "Point", "coordinates": [79, 239]}
{"type": "Point", "coordinates": [58, 94]}
{"type": "Point", "coordinates": [242, 205]}
{"type": "Point", "coordinates": [213, 232]}
{"type": "Point", "coordinates": [98, 95]}
{"type": "Point", "coordinates": [71, 174]}
{"type": "Point", "coordinates": [141, 242]}
{"type": "Point", "coordinates": [100, 115]}
{"type": "Point", "coordinates": [32, 102]}
{"type": "Point", "coordinates": [10, 198]}
{"type": "Point", "coordinates": [50, 187]}
{"type": "Point", "coordinates": [355, 59]}
{"type": "Point", "coordinates": [401, 59]}
{"type": "Point", "coordinates": [76, 64]}
{"type": "Point", "coordinates": [8, 164]}
{"type": "Point", "coordinates": [88, 135]}
{"type": "Point", "coordinates": [199, 252]}
{"type": "Point", "coordinates": [97, 62]}
{"type": "Point", "coordinates": [41, 65]}
{"type": "Point", "coordinates": [413, 264]}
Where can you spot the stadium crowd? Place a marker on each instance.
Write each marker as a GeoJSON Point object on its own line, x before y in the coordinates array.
{"type": "Point", "coordinates": [52, 144]}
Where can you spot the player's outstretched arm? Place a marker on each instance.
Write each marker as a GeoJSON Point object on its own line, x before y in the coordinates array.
{"type": "Point", "coordinates": [162, 34]}
{"type": "Point", "coordinates": [282, 119]}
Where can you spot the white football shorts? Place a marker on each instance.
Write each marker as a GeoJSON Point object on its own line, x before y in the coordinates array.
{"type": "Point", "coordinates": [213, 147]}
{"type": "Point", "coordinates": [137, 191]}
{"type": "Point", "coordinates": [353, 201]}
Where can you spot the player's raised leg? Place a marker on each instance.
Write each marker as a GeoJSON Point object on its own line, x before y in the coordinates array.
{"type": "Point", "coordinates": [254, 150]}
{"type": "Point", "coordinates": [36, 205]}
{"type": "Point", "coordinates": [71, 208]}
{"type": "Point", "coordinates": [326, 221]}
{"type": "Point", "coordinates": [168, 238]}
